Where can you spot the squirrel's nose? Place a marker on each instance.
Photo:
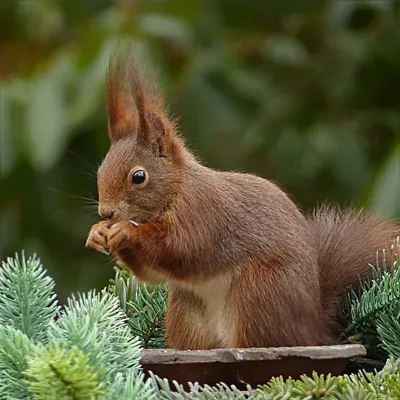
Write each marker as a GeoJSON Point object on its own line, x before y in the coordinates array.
{"type": "Point", "coordinates": [106, 212]}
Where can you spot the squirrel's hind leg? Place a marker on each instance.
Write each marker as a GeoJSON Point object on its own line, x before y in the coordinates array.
{"type": "Point", "coordinates": [280, 310]}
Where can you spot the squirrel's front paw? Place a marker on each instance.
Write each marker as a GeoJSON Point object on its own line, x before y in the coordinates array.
{"type": "Point", "coordinates": [120, 236]}
{"type": "Point", "coordinates": [97, 238]}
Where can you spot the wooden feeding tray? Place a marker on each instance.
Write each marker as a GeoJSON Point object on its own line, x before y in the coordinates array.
{"type": "Point", "coordinates": [253, 366]}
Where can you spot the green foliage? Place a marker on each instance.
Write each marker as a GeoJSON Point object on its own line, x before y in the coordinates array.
{"type": "Point", "coordinates": [58, 372]}
{"type": "Point", "coordinates": [15, 347]}
{"type": "Point", "coordinates": [96, 325]}
{"type": "Point", "coordinates": [362, 386]}
{"type": "Point", "coordinates": [147, 315]}
{"type": "Point", "coordinates": [277, 387]}
{"type": "Point", "coordinates": [145, 307]}
{"type": "Point", "coordinates": [373, 313]}
{"type": "Point", "coordinates": [174, 391]}
{"type": "Point", "coordinates": [315, 386]}
{"type": "Point", "coordinates": [131, 386]}
{"type": "Point", "coordinates": [388, 330]}
{"type": "Point", "coordinates": [27, 300]}
{"type": "Point", "coordinates": [86, 352]}
{"type": "Point", "coordinates": [89, 352]}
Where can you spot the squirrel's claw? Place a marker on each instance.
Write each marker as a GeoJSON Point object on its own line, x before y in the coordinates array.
{"type": "Point", "coordinates": [106, 250]}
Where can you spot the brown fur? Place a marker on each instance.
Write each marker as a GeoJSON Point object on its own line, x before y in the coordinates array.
{"type": "Point", "coordinates": [347, 241]}
{"type": "Point", "coordinates": [245, 268]}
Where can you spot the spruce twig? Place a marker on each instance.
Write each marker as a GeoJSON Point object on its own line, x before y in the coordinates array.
{"type": "Point", "coordinates": [62, 372]}
{"type": "Point", "coordinates": [373, 311]}
{"type": "Point", "coordinates": [145, 306]}
{"type": "Point", "coordinates": [27, 298]}
{"type": "Point", "coordinates": [96, 325]}
{"type": "Point", "coordinates": [15, 347]}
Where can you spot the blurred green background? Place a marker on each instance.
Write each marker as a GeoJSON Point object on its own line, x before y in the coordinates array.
{"type": "Point", "coordinates": [306, 93]}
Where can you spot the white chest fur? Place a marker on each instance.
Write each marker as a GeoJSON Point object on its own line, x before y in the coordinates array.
{"type": "Point", "coordinates": [218, 318]}
{"type": "Point", "coordinates": [216, 321]}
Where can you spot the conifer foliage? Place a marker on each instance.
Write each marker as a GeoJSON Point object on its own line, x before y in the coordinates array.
{"type": "Point", "coordinates": [373, 313]}
{"type": "Point", "coordinates": [90, 349]}
{"type": "Point", "coordinates": [83, 351]}
{"type": "Point", "coordinates": [144, 306]}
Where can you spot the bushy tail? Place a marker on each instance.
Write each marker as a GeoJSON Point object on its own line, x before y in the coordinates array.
{"type": "Point", "coordinates": [347, 242]}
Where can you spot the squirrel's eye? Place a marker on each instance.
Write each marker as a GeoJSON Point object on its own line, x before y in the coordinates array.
{"type": "Point", "coordinates": [138, 177]}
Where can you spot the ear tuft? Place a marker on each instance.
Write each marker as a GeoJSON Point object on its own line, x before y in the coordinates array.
{"type": "Point", "coordinates": [135, 105]}
{"type": "Point", "coordinates": [157, 132]}
{"type": "Point", "coordinates": [119, 107]}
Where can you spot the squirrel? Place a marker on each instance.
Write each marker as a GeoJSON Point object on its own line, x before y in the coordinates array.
{"type": "Point", "coordinates": [244, 267]}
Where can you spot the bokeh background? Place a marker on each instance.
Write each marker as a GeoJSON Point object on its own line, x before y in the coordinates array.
{"type": "Point", "coordinates": [306, 93]}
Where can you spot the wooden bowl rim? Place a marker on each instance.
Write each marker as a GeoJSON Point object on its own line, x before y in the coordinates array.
{"type": "Point", "coordinates": [171, 356]}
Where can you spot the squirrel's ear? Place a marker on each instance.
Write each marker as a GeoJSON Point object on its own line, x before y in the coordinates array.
{"type": "Point", "coordinates": [156, 133]}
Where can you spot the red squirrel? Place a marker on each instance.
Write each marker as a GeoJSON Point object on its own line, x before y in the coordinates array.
{"type": "Point", "coordinates": [245, 268]}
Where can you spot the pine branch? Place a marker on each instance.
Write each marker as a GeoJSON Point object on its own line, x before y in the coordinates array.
{"type": "Point", "coordinates": [15, 346]}
{"type": "Point", "coordinates": [277, 388]}
{"type": "Point", "coordinates": [316, 386]}
{"type": "Point", "coordinates": [131, 386]}
{"type": "Point", "coordinates": [377, 293]}
{"type": "Point", "coordinates": [361, 386]}
{"type": "Point", "coordinates": [388, 328]}
{"type": "Point", "coordinates": [144, 305]}
{"type": "Point", "coordinates": [376, 300]}
{"type": "Point", "coordinates": [147, 312]}
{"type": "Point", "coordinates": [123, 286]}
{"type": "Point", "coordinates": [175, 391]}
{"type": "Point", "coordinates": [375, 305]}
{"type": "Point", "coordinates": [96, 325]}
{"type": "Point", "coordinates": [27, 299]}
{"type": "Point", "coordinates": [61, 372]}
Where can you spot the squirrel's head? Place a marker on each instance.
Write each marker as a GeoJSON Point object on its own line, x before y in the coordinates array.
{"type": "Point", "coordinates": [142, 169]}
